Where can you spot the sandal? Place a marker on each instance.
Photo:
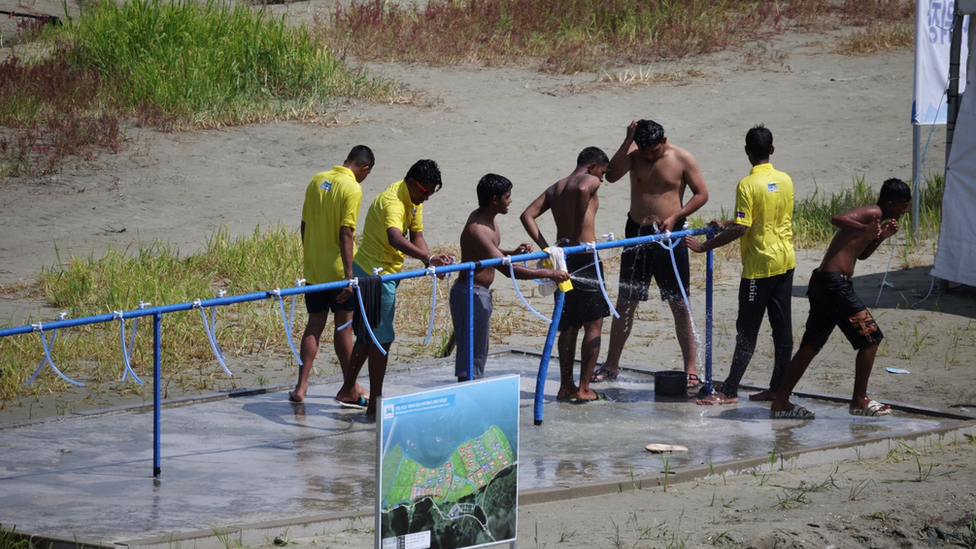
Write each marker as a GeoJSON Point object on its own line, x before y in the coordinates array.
{"type": "Point", "coordinates": [873, 409]}
{"type": "Point", "coordinates": [693, 381]}
{"type": "Point", "coordinates": [602, 374]}
{"type": "Point", "coordinates": [797, 412]}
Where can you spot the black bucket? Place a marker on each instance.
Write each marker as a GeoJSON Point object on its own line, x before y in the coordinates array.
{"type": "Point", "coordinates": [670, 383]}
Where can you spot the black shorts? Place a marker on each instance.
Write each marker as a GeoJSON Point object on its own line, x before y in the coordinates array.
{"type": "Point", "coordinates": [834, 303]}
{"type": "Point", "coordinates": [640, 263]}
{"type": "Point", "coordinates": [585, 302]}
{"type": "Point", "coordinates": [317, 302]}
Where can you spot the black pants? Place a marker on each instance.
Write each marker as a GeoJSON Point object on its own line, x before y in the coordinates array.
{"type": "Point", "coordinates": [758, 296]}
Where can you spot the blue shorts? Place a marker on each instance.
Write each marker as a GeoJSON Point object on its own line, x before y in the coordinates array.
{"type": "Point", "coordinates": [384, 328]}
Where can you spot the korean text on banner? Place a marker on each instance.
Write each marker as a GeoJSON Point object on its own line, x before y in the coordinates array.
{"type": "Point", "coordinates": [933, 30]}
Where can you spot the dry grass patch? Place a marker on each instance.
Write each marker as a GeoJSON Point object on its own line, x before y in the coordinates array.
{"type": "Point", "coordinates": [878, 37]}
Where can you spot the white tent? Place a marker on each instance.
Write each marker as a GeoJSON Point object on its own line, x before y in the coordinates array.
{"type": "Point", "coordinates": [956, 257]}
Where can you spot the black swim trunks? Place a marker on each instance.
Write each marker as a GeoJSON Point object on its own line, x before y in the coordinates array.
{"type": "Point", "coordinates": [317, 302]}
{"type": "Point", "coordinates": [834, 303]}
{"type": "Point", "coordinates": [640, 263]}
{"type": "Point", "coordinates": [585, 302]}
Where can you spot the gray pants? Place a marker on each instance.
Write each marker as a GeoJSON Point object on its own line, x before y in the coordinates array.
{"type": "Point", "coordinates": [482, 320]}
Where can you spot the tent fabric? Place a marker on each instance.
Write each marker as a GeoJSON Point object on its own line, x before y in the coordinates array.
{"type": "Point", "coordinates": [966, 7]}
{"type": "Point", "coordinates": [955, 259]}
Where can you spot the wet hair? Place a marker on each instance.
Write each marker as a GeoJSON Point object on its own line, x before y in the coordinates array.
{"type": "Point", "coordinates": [490, 186]}
{"type": "Point", "coordinates": [426, 173]}
{"type": "Point", "coordinates": [361, 155]}
{"type": "Point", "coordinates": [592, 155]}
{"type": "Point", "coordinates": [894, 190]}
{"type": "Point", "coordinates": [759, 142]}
{"type": "Point", "coordinates": [647, 134]}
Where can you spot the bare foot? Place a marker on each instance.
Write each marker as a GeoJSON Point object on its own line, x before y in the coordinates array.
{"type": "Point", "coordinates": [362, 391]}
{"type": "Point", "coordinates": [295, 398]}
{"type": "Point", "coordinates": [716, 398]}
{"type": "Point", "coordinates": [763, 396]}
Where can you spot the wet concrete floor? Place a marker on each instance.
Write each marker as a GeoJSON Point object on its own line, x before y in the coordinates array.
{"type": "Point", "coordinates": [259, 459]}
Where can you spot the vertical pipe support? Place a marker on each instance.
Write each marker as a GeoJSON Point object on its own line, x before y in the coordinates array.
{"type": "Point", "coordinates": [709, 270]}
{"type": "Point", "coordinates": [157, 384]}
{"type": "Point", "coordinates": [470, 334]}
{"type": "Point", "coordinates": [540, 380]}
{"type": "Point", "coordinates": [952, 94]}
{"type": "Point", "coordinates": [916, 174]}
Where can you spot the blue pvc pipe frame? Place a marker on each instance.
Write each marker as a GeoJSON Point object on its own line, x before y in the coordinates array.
{"type": "Point", "coordinates": [471, 266]}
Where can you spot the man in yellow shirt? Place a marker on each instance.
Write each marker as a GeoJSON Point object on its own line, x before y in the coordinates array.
{"type": "Point", "coordinates": [329, 217]}
{"type": "Point", "coordinates": [764, 221]}
{"type": "Point", "coordinates": [393, 229]}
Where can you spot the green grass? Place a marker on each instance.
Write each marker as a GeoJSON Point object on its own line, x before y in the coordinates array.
{"type": "Point", "coordinates": [811, 216]}
{"type": "Point", "coordinates": [9, 539]}
{"type": "Point", "coordinates": [173, 65]}
{"type": "Point", "coordinates": [156, 273]}
{"type": "Point", "coordinates": [208, 64]}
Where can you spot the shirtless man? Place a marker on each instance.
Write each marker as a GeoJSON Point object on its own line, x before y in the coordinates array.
{"type": "Point", "coordinates": [480, 239]}
{"type": "Point", "coordinates": [834, 303]}
{"type": "Point", "coordinates": [574, 202]}
{"type": "Point", "coordinates": [660, 172]}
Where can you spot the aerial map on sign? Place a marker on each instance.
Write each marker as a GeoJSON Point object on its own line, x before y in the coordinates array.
{"type": "Point", "coordinates": [466, 500]}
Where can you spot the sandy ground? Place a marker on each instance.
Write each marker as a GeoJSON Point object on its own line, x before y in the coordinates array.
{"type": "Point", "coordinates": [917, 495]}
{"type": "Point", "coordinates": [834, 118]}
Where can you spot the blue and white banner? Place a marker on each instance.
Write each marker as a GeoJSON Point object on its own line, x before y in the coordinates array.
{"type": "Point", "coordinates": [933, 37]}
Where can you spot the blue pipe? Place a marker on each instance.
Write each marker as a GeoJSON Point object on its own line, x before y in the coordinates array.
{"type": "Point", "coordinates": [540, 380]}
{"type": "Point", "coordinates": [338, 285]}
{"type": "Point", "coordinates": [157, 382]}
{"type": "Point", "coordinates": [709, 269]}
{"type": "Point", "coordinates": [470, 334]}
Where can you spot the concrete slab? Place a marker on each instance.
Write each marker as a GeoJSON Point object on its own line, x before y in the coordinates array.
{"type": "Point", "coordinates": [235, 469]}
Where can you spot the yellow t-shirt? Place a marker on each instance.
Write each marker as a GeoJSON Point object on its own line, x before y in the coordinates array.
{"type": "Point", "coordinates": [764, 203]}
{"type": "Point", "coordinates": [332, 200]}
{"type": "Point", "coordinates": [391, 208]}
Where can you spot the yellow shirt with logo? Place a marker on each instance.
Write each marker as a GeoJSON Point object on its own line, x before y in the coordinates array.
{"type": "Point", "coordinates": [392, 208]}
{"type": "Point", "coordinates": [764, 204]}
{"type": "Point", "coordinates": [332, 200]}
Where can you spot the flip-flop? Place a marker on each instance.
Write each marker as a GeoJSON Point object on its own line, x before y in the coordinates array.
{"type": "Point", "coordinates": [873, 409]}
{"type": "Point", "coordinates": [565, 399]}
{"type": "Point", "coordinates": [798, 412]}
{"type": "Point", "coordinates": [602, 374]}
{"type": "Point", "coordinates": [293, 399]}
{"type": "Point", "coordinates": [600, 397]}
{"type": "Point", "coordinates": [661, 448]}
{"type": "Point", "coordinates": [358, 404]}
{"type": "Point", "coordinates": [693, 381]}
